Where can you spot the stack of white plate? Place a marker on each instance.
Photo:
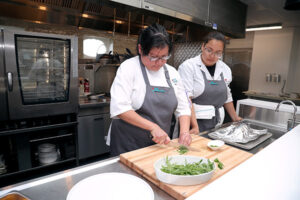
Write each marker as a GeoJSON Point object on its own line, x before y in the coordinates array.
{"type": "Point", "coordinates": [2, 165]}
{"type": "Point", "coordinates": [47, 153]}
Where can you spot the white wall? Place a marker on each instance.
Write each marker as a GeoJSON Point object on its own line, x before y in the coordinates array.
{"type": "Point", "coordinates": [246, 42]}
{"type": "Point", "coordinates": [271, 54]}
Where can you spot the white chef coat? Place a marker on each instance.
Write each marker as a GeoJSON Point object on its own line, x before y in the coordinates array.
{"type": "Point", "coordinates": [192, 77]}
{"type": "Point", "coordinates": [129, 89]}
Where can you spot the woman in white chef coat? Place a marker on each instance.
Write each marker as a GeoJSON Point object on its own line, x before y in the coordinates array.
{"type": "Point", "coordinates": [206, 79]}
{"type": "Point", "coordinates": [144, 95]}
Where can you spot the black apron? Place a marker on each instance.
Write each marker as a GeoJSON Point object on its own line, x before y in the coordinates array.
{"type": "Point", "coordinates": [215, 93]}
{"type": "Point", "coordinates": [159, 105]}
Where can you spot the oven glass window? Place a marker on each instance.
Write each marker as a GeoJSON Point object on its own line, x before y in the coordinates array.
{"type": "Point", "coordinates": [43, 69]}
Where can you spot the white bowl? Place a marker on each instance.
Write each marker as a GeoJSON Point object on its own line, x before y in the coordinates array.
{"type": "Point", "coordinates": [215, 144]}
{"type": "Point", "coordinates": [182, 179]}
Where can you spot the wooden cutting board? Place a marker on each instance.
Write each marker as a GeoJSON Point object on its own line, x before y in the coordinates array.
{"type": "Point", "coordinates": [142, 161]}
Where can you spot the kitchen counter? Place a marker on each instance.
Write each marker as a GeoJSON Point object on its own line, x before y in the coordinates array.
{"type": "Point", "coordinates": [57, 186]}
{"type": "Point", "coordinates": [85, 102]}
{"type": "Point", "coordinates": [273, 173]}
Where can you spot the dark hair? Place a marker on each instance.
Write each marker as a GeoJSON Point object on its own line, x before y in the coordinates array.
{"type": "Point", "coordinates": [214, 36]}
{"type": "Point", "coordinates": [153, 36]}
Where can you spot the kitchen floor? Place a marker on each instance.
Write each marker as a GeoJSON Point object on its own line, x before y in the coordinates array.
{"type": "Point", "coordinates": [51, 170]}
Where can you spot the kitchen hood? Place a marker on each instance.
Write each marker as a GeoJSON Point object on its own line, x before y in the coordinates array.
{"type": "Point", "coordinates": [227, 16]}
{"type": "Point", "coordinates": [182, 20]}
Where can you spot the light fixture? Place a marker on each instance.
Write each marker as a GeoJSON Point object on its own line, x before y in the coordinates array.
{"type": "Point", "coordinates": [42, 7]}
{"type": "Point", "coordinates": [264, 27]}
{"type": "Point", "coordinates": [85, 15]}
{"type": "Point", "coordinates": [119, 22]}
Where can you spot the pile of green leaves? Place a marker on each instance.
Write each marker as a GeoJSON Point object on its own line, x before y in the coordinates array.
{"type": "Point", "coordinates": [195, 168]}
{"type": "Point", "coordinates": [182, 149]}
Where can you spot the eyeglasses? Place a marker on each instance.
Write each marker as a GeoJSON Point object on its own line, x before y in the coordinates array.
{"type": "Point", "coordinates": [164, 58]}
{"type": "Point", "coordinates": [216, 54]}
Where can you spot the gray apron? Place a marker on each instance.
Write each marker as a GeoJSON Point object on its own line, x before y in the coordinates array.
{"type": "Point", "coordinates": [159, 105]}
{"type": "Point", "coordinates": [215, 93]}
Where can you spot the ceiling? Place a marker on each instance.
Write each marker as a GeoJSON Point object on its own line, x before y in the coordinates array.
{"type": "Point", "coordinates": [269, 12]}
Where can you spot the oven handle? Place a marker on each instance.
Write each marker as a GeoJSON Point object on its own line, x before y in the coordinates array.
{"type": "Point", "coordinates": [10, 81]}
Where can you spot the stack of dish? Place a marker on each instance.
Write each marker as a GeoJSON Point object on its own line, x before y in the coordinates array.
{"type": "Point", "coordinates": [47, 153]}
{"type": "Point", "coordinates": [2, 165]}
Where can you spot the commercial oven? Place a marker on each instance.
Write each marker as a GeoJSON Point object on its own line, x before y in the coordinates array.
{"type": "Point", "coordinates": [38, 74]}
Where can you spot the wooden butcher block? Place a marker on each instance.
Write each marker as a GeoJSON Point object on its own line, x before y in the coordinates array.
{"type": "Point", "coordinates": [142, 161]}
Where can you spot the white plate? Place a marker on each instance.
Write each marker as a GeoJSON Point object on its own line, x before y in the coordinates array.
{"type": "Point", "coordinates": [215, 144]}
{"type": "Point", "coordinates": [111, 186]}
{"type": "Point", "coordinates": [182, 179]}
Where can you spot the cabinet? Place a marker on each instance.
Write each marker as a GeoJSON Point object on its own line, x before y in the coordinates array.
{"type": "Point", "coordinates": [93, 126]}
{"type": "Point", "coordinates": [20, 142]}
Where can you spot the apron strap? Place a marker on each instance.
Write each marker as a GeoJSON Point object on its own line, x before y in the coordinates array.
{"type": "Point", "coordinates": [144, 72]}
{"type": "Point", "coordinates": [167, 76]}
{"type": "Point", "coordinates": [146, 77]}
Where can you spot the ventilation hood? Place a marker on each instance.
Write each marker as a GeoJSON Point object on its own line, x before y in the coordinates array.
{"type": "Point", "coordinates": [182, 20]}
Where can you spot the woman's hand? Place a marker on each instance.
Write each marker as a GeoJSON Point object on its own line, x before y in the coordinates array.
{"type": "Point", "coordinates": [185, 138]}
{"type": "Point", "coordinates": [194, 130]}
{"type": "Point", "coordinates": [159, 135]}
{"type": "Point", "coordinates": [237, 119]}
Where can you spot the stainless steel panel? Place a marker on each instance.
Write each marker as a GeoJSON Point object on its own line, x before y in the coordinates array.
{"type": "Point", "coordinates": [230, 16]}
{"type": "Point", "coordinates": [3, 98]}
{"type": "Point", "coordinates": [104, 77]}
{"type": "Point", "coordinates": [190, 10]}
{"type": "Point", "coordinates": [266, 116]}
{"type": "Point", "coordinates": [19, 108]}
{"type": "Point", "coordinates": [92, 130]}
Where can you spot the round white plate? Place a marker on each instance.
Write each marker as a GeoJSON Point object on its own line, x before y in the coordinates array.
{"type": "Point", "coordinates": [111, 186]}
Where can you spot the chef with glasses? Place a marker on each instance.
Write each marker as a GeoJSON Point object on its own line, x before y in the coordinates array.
{"type": "Point", "coordinates": [145, 94]}
{"type": "Point", "coordinates": [206, 79]}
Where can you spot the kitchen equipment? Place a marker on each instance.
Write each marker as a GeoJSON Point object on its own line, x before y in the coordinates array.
{"type": "Point", "coordinates": [2, 165]}
{"type": "Point", "coordinates": [215, 144]}
{"type": "Point", "coordinates": [142, 161]}
{"type": "Point", "coordinates": [111, 186]}
{"type": "Point", "coordinates": [238, 132]}
{"type": "Point", "coordinates": [38, 75]}
{"type": "Point", "coordinates": [47, 153]}
{"type": "Point", "coordinates": [181, 179]}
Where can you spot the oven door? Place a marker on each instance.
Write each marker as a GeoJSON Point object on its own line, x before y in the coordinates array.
{"type": "Point", "coordinates": [3, 98]}
{"type": "Point", "coordinates": [42, 74]}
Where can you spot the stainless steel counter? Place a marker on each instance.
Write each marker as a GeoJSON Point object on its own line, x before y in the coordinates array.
{"type": "Point", "coordinates": [57, 186]}
{"type": "Point", "coordinates": [84, 102]}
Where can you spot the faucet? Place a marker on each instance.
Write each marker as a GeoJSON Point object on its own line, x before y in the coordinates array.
{"type": "Point", "coordinates": [295, 110]}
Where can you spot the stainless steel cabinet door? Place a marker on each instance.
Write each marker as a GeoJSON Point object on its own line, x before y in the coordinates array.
{"type": "Point", "coordinates": [92, 130]}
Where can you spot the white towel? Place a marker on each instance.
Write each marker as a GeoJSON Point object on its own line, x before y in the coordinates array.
{"type": "Point", "coordinates": [204, 111]}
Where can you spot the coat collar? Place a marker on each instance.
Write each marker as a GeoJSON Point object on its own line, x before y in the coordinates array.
{"type": "Point", "coordinates": [218, 70]}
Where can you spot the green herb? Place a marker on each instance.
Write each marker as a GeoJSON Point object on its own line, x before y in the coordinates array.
{"type": "Point", "coordinates": [182, 149]}
{"type": "Point", "coordinates": [195, 168]}
{"type": "Point", "coordinates": [220, 164]}
{"type": "Point", "coordinates": [188, 168]}
{"type": "Point", "coordinates": [213, 145]}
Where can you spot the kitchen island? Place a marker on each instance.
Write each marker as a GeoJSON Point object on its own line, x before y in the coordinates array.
{"type": "Point", "coordinates": [272, 173]}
